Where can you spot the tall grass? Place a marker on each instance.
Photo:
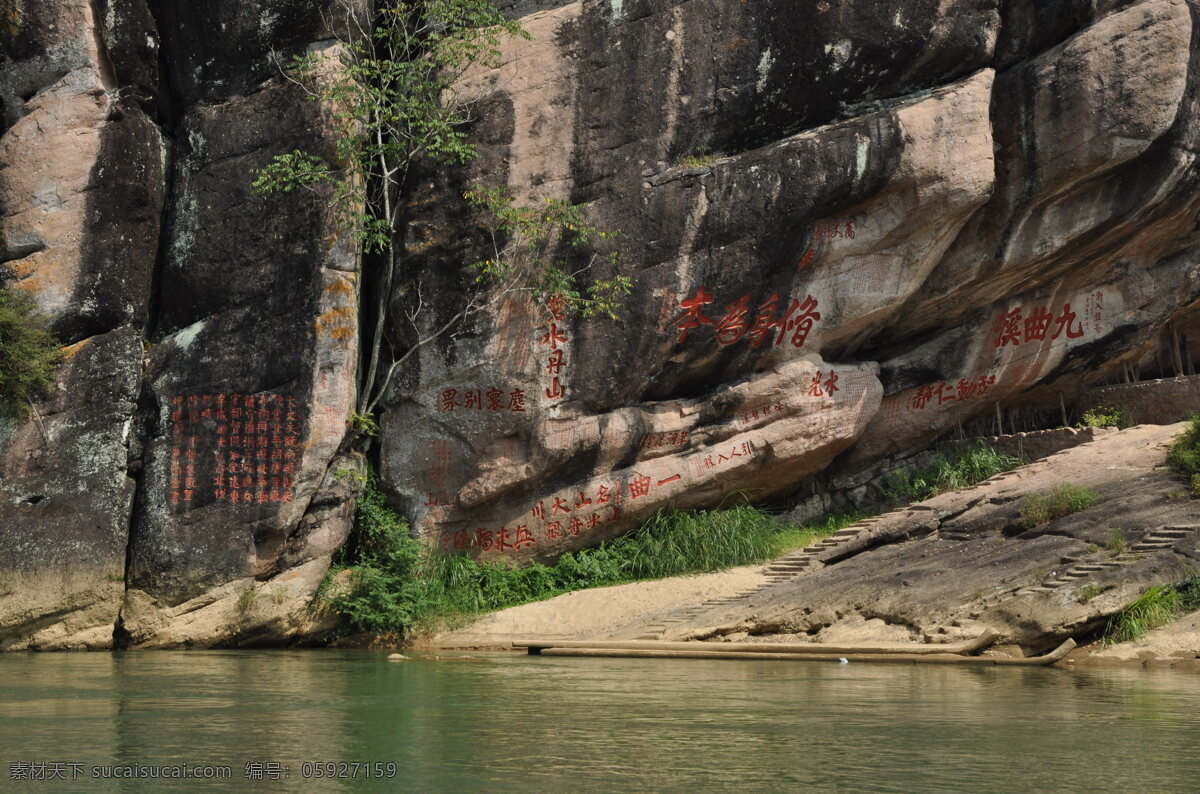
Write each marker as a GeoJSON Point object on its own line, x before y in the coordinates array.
{"type": "Point", "coordinates": [398, 585]}
{"type": "Point", "coordinates": [1063, 501]}
{"type": "Point", "coordinates": [946, 474]}
{"type": "Point", "coordinates": [1158, 606]}
{"type": "Point", "coordinates": [1185, 452]}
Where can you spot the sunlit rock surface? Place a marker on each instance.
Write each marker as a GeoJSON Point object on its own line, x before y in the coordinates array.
{"type": "Point", "coordinates": [851, 228]}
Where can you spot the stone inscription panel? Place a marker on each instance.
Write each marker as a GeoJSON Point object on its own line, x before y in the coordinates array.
{"type": "Point", "coordinates": [243, 449]}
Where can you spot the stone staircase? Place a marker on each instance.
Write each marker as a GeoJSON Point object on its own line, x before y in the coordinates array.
{"type": "Point", "coordinates": [799, 562]}
{"type": "Point", "coordinates": [796, 563]}
{"type": "Point", "coordinates": [1081, 572]}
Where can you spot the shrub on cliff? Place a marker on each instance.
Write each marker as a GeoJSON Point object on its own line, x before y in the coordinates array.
{"type": "Point", "coordinates": [28, 353]}
{"type": "Point", "coordinates": [396, 95]}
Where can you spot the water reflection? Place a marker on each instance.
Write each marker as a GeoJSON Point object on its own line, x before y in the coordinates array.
{"type": "Point", "coordinates": [507, 721]}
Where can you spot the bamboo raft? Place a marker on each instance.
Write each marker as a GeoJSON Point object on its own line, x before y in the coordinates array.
{"type": "Point", "coordinates": [805, 652]}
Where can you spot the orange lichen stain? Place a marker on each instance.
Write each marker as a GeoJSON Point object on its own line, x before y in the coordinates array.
{"type": "Point", "coordinates": [339, 287]}
{"type": "Point", "coordinates": [342, 332]}
{"type": "Point", "coordinates": [335, 316]}
{"type": "Point", "coordinates": [12, 18]}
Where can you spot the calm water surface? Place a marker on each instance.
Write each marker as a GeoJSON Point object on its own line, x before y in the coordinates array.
{"type": "Point", "coordinates": [510, 722]}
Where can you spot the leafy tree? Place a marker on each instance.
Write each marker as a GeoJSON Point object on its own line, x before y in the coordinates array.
{"type": "Point", "coordinates": [398, 99]}
{"type": "Point", "coordinates": [28, 353]}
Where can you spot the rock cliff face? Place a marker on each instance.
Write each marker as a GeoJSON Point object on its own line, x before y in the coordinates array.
{"type": "Point", "coordinates": [851, 227]}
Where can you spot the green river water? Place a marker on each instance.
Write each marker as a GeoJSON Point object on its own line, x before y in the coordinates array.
{"type": "Point", "coordinates": [507, 722]}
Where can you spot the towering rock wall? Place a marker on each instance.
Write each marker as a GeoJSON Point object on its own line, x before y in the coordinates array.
{"type": "Point", "coordinates": [850, 228]}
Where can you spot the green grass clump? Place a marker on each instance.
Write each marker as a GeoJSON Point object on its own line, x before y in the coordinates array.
{"type": "Point", "coordinates": [1158, 606]}
{"type": "Point", "coordinates": [398, 585]}
{"type": "Point", "coordinates": [1065, 500]}
{"type": "Point", "coordinates": [946, 474]}
{"type": "Point", "coordinates": [1116, 544]}
{"type": "Point", "coordinates": [1185, 452]}
{"type": "Point", "coordinates": [1101, 416]}
{"type": "Point", "coordinates": [28, 353]}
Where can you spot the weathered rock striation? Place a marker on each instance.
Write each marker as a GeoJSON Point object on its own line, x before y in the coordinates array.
{"type": "Point", "coordinates": [851, 228]}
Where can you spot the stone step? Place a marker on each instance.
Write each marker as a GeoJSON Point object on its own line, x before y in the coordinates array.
{"type": "Point", "coordinates": [1090, 567]}
{"type": "Point", "coordinates": [1170, 533]}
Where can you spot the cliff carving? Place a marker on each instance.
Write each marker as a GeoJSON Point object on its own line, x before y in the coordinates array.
{"type": "Point", "coordinates": [851, 228]}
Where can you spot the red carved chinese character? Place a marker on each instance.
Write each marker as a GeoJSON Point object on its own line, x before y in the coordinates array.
{"type": "Point", "coordinates": [814, 388]}
{"type": "Point", "coordinates": [985, 382]}
{"type": "Point", "coordinates": [539, 511]}
{"type": "Point", "coordinates": [449, 400]}
{"type": "Point", "coordinates": [764, 321]}
{"type": "Point", "coordinates": [495, 398]}
{"type": "Point", "coordinates": [555, 391]}
{"type": "Point", "coordinates": [674, 478]}
{"type": "Point", "coordinates": [850, 229]}
{"type": "Point", "coordinates": [831, 383]}
{"type": "Point", "coordinates": [733, 325]}
{"type": "Point", "coordinates": [553, 336]}
{"type": "Point", "coordinates": [922, 397]}
{"type": "Point", "coordinates": [966, 389]}
{"type": "Point", "coordinates": [1037, 324]}
{"type": "Point", "coordinates": [603, 495]}
{"type": "Point", "coordinates": [575, 526]}
{"type": "Point", "coordinates": [809, 257]}
{"type": "Point", "coordinates": [1008, 329]}
{"type": "Point", "coordinates": [593, 521]}
{"type": "Point", "coordinates": [523, 538]}
{"type": "Point", "coordinates": [483, 539]}
{"type": "Point", "coordinates": [516, 401]}
{"type": "Point", "coordinates": [473, 399]}
{"type": "Point", "coordinates": [1063, 322]}
{"type": "Point", "coordinates": [555, 362]}
{"type": "Point", "coordinates": [940, 391]}
{"type": "Point", "coordinates": [554, 530]}
{"type": "Point", "coordinates": [805, 316]}
{"type": "Point", "coordinates": [557, 306]}
{"type": "Point", "coordinates": [693, 316]}
{"type": "Point", "coordinates": [639, 486]}
{"type": "Point", "coordinates": [560, 506]}
{"type": "Point", "coordinates": [502, 538]}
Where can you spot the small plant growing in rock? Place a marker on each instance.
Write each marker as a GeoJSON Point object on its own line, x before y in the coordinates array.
{"type": "Point", "coordinates": [699, 158]}
{"type": "Point", "coordinates": [1041, 509]}
{"type": "Point", "coordinates": [1116, 544]}
{"type": "Point", "coordinates": [1091, 591]}
{"type": "Point", "coordinates": [28, 353]}
{"type": "Point", "coordinates": [245, 600]}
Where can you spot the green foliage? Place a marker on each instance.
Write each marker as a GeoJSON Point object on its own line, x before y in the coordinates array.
{"type": "Point", "coordinates": [1106, 417]}
{"type": "Point", "coordinates": [395, 91]}
{"type": "Point", "coordinates": [28, 353]}
{"type": "Point", "coordinates": [1091, 591]}
{"type": "Point", "coordinates": [364, 425]}
{"type": "Point", "coordinates": [947, 474]}
{"type": "Point", "coordinates": [400, 585]}
{"type": "Point", "coordinates": [1065, 500]}
{"type": "Point", "coordinates": [1158, 606]}
{"type": "Point", "coordinates": [699, 158]}
{"type": "Point", "coordinates": [395, 103]}
{"type": "Point", "coordinates": [1116, 544]}
{"type": "Point", "coordinates": [1185, 452]}
{"type": "Point", "coordinates": [531, 235]}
